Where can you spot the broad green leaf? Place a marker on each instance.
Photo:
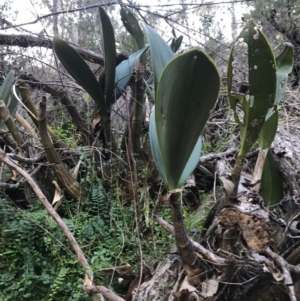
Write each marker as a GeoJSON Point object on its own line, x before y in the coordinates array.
{"type": "Point", "coordinates": [161, 53]}
{"type": "Point", "coordinates": [262, 85]}
{"type": "Point", "coordinates": [109, 45]}
{"type": "Point", "coordinates": [154, 146]}
{"type": "Point", "coordinates": [269, 129]}
{"type": "Point", "coordinates": [284, 64]}
{"type": "Point", "coordinates": [124, 72]}
{"type": "Point", "coordinates": [5, 89]}
{"type": "Point", "coordinates": [187, 92]}
{"type": "Point", "coordinates": [271, 183]}
{"type": "Point", "coordinates": [192, 162]}
{"type": "Point", "coordinates": [132, 25]}
{"type": "Point", "coordinates": [81, 72]}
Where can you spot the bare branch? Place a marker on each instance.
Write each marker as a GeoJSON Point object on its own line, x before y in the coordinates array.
{"type": "Point", "coordinates": [26, 41]}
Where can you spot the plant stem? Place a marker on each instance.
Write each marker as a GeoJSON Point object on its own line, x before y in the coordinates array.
{"type": "Point", "coordinates": [136, 121]}
{"type": "Point", "coordinates": [190, 259]}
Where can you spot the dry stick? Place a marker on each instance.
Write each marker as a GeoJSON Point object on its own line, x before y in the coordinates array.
{"type": "Point", "coordinates": [26, 124]}
{"type": "Point", "coordinates": [7, 118]}
{"type": "Point", "coordinates": [259, 167]}
{"type": "Point", "coordinates": [88, 287]}
{"type": "Point", "coordinates": [72, 187]}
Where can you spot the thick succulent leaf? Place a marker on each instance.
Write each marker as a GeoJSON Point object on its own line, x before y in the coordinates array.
{"type": "Point", "coordinates": [161, 53]}
{"type": "Point", "coordinates": [5, 89]}
{"type": "Point", "coordinates": [124, 72]}
{"type": "Point", "coordinates": [269, 129]}
{"type": "Point", "coordinates": [192, 162]}
{"type": "Point", "coordinates": [187, 92]}
{"type": "Point", "coordinates": [271, 183]}
{"type": "Point", "coordinates": [81, 72]}
{"type": "Point", "coordinates": [284, 64]}
{"type": "Point", "coordinates": [154, 146]}
{"type": "Point", "coordinates": [262, 85]}
{"type": "Point", "coordinates": [132, 25]}
{"type": "Point", "coordinates": [109, 45]}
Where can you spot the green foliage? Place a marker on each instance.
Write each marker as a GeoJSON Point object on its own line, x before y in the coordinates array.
{"type": "Point", "coordinates": [114, 76]}
{"type": "Point", "coordinates": [161, 53]}
{"type": "Point", "coordinates": [67, 132]}
{"type": "Point", "coordinates": [37, 262]}
{"type": "Point", "coordinates": [284, 65]}
{"type": "Point", "coordinates": [31, 261]}
{"type": "Point", "coordinates": [124, 71]}
{"type": "Point", "coordinates": [262, 85]}
{"type": "Point", "coordinates": [131, 24]}
{"type": "Point", "coordinates": [269, 129]}
{"type": "Point", "coordinates": [271, 182]}
{"type": "Point", "coordinates": [181, 114]}
{"type": "Point", "coordinates": [109, 48]}
{"type": "Point", "coordinates": [81, 72]}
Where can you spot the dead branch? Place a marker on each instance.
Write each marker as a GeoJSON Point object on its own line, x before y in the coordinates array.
{"type": "Point", "coordinates": [26, 41]}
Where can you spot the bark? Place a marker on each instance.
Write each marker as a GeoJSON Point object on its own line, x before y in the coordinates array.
{"type": "Point", "coordinates": [286, 148]}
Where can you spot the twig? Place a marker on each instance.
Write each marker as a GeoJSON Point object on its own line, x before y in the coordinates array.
{"type": "Point", "coordinates": [27, 160]}
{"type": "Point", "coordinates": [114, 3]}
{"type": "Point", "coordinates": [218, 156]}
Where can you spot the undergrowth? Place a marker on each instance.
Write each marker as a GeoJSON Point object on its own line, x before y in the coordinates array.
{"type": "Point", "coordinates": [37, 262]}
